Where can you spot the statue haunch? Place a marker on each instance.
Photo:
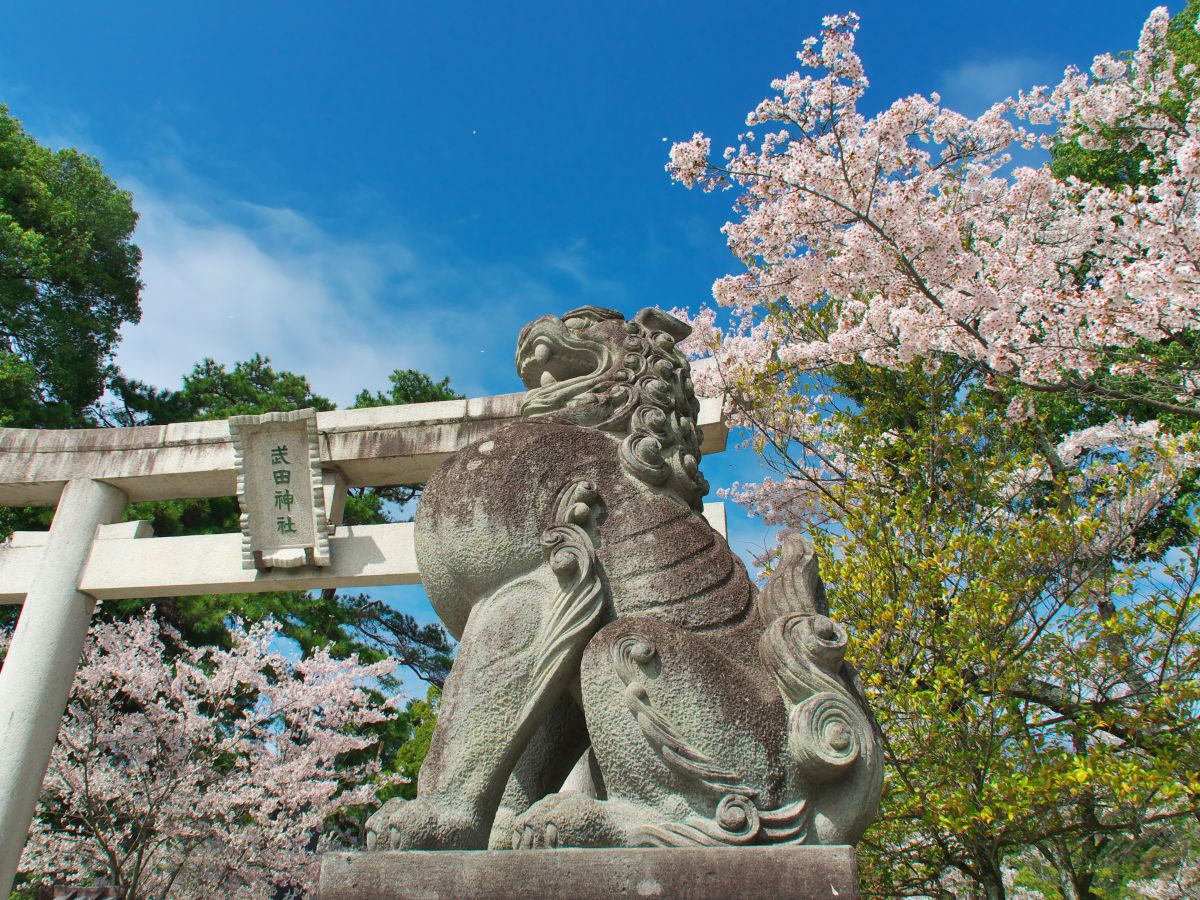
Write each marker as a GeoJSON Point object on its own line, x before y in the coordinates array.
{"type": "Point", "coordinates": [620, 681]}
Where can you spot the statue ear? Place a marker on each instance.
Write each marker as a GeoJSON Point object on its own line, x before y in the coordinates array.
{"type": "Point", "coordinates": [656, 320]}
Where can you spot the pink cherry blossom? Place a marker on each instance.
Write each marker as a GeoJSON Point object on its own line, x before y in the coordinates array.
{"type": "Point", "coordinates": [210, 773]}
{"type": "Point", "coordinates": [915, 238]}
{"type": "Point", "coordinates": [911, 223]}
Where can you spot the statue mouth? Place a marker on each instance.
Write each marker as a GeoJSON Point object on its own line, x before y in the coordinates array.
{"type": "Point", "coordinates": [548, 365]}
{"type": "Point", "coordinates": [551, 359]}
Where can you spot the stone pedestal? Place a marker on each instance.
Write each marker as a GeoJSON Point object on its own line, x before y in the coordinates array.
{"type": "Point", "coordinates": [717, 873]}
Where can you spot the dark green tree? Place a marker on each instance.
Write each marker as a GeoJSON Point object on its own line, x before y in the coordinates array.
{"type": "Point", "coordinates": [68, 279]}
{"type": "Point", "coordinates": [420, 717]}
{"type": "Point", "coordinates": [406, 386]}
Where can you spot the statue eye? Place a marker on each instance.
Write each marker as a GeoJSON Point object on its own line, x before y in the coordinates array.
{"type": "Point", "coordinates": [575, 323]}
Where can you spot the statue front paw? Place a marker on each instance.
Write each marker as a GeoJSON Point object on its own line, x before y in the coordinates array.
{"type": "Point", "coordinates": [572, 820]}
{"type": "Point", "coordinates": [423, 825]}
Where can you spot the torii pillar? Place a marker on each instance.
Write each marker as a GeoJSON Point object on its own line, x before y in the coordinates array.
{"type": "Point", "coordinates": [39, 668]}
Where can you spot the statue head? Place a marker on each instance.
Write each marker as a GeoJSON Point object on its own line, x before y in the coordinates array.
{"type": "Point", "coordinates": [591, 367]}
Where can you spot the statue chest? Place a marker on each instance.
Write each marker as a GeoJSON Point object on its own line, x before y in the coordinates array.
{"type": "Point", "coordinates": [482, 516]}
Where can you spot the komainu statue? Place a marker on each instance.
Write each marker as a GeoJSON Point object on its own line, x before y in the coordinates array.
{"type": "Point", "coordinates": [620, 681]}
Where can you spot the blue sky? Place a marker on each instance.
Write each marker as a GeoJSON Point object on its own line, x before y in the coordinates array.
{"type": "Point", "coordinates": [351, 188]}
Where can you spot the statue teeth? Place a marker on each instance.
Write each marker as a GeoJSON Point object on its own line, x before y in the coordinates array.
{"type": "Point", "coordinates": [547, 379]}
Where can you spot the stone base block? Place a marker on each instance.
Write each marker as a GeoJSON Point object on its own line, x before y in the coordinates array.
{"type": "Point", "coordinates": [705, 873]}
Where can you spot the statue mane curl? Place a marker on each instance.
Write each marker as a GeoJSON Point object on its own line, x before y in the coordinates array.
{"type": "Point", "coordinates": [593, 368]}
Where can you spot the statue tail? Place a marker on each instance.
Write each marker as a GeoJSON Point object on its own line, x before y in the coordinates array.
{"type": "Point", "coordinates": [832, 735]}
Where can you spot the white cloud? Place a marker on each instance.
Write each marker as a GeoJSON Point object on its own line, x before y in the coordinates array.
{"type": "Point", "coordinates": [973, 86]}
{"type": "Point", "coordinates": [227, 279]}
{"type": "Point", "coordinates": [248, 279]}
{"type": "Point", "coordinates": [215, 289]}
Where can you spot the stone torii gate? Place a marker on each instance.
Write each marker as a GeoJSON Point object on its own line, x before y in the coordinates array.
{"type": "Point", "coordinates": [90, 475]}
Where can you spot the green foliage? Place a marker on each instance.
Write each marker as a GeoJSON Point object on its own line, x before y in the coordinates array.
{"type": "Point", "coordinates": [378, 630]}
{"type": "Point", "coordinates": [211, 391]}
{"type": "Point", "coordinates": [1038, 689]}
{"type": "Point", "coordinates": [18, 391]}
{"type": "Point", "coordinates": [996, 678]}
{"type": "Point", "coordinates": [68, 279]}
{"type": "Point", "coordinates": [407, 386]}
{"type": "Point", "coordinates": [421, 718]}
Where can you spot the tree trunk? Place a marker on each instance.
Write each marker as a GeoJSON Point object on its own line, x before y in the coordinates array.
{"type": "Point", "coordinates": [1066, 885]}
{"type": "Point", "coordinates": [1074, 881]}
{"type": "Point", "coordinates": [991, 877]}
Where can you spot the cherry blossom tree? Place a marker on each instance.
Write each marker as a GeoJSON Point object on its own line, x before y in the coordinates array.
{"type": "Point", "coordinates": [185, 772]}
{"type": "Point", "coordinates": [933, 247]}
{"type": "Point", "coordinates": [976, 384]}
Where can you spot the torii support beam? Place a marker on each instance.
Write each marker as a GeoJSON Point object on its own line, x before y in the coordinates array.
{"type": "Point", "coordinates": [125, 563]}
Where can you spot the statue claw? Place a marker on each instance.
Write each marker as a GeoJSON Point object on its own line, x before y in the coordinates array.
{"type": "Point", "coordinates": [572, 820]}
{"type": "Point", "coordinates": [422, 825]}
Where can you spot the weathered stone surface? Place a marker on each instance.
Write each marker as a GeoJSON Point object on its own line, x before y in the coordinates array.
{"type": "Point", "coordinates": [747, 873]}
{"type": "Point", "coordinates": [599, 614]}
{"type": "Point", "coordinates": [35, 680]}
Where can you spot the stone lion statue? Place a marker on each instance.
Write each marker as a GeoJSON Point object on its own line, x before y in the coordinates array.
{"type": "Point", "coordinates": [620, 681]}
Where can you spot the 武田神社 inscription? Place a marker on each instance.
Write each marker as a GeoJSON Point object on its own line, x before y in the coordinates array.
{"type": "Point", "coordinates": [284, 521]}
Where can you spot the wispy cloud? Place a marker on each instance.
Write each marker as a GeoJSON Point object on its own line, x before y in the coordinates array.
{"type": "Point", "coordinates": [229, 289]}
{"type": "Point", "coordinates": [227, 281]}
{"type": "Point", "coordinates": [973, 86]}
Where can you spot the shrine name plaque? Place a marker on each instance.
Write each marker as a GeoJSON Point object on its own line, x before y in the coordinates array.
{"type": "Point", "coordinates": [278, 462]}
